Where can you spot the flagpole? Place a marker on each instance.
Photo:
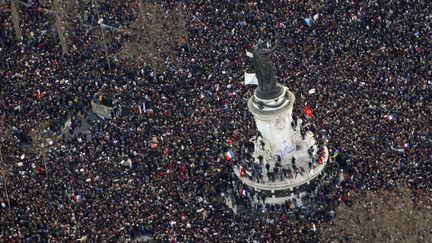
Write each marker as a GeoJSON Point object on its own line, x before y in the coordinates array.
{"type": "Point", "coordinates": [4, 177]}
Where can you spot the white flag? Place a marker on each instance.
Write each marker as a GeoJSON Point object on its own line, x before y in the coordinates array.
{"type": "Point", "coordinates": [249, 54]}
{"type": "Point", "coordinates": [250, 78]}
{"type": "Point", "coordinates": [312, 91]}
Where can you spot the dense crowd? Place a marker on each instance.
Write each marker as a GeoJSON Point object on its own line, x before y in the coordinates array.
{"type": "Point", "coordinates": [369, 62]}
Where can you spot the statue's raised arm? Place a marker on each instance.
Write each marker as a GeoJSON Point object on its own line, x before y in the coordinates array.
{"type": "Point", "coordinates": [265, 71]}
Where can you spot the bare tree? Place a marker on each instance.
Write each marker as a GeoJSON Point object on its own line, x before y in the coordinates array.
{"type": "Point", "coordinates": [59, 25]}
{"type": "Point", "coordinates": [103, 36]}
{"type": "Point", "coordinates": [384, 216]}
{"type": "Point", "coordinates": [15, 20]}
{"type": "Point", "coordinates": [5, 139]}
{"type": "Point", "coordinates": [155, 34]}
{"type": "Point", "coordinates": [57, 12]}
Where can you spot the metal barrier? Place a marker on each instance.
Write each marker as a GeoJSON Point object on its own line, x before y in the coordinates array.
{"type": "Point", "coordinates": [101, 110]}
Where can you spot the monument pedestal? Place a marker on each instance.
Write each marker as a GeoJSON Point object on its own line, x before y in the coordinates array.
{"type": "Point", "coordinates": [274, 173]}
{"type": "Point", "coordinates": [273, 119]}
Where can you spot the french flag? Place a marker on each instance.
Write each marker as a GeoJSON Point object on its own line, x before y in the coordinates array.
{"type": "Point", "coordinates": [406, 146]}
{"type": "Point", "coordinates": [391, 117]}
{"type": "Point", "coordinates": [229, 155]}
{"type": "Point", "coordinates": [77, 197]}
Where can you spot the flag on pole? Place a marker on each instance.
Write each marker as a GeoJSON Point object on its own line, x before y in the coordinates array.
{"type": "Point", "coordinates": [41, 171]}
{"type": "Point", "coordinates": [250, 78]}
{"type": "Point", "coordinates": [39, 94]}
{"type": "Point", "coordinates": [77, 197]}
{"type": "Point", "coordinates": [249, 173]}
{"type": "Point", "coordinates": [144, 107]}
{"type": "Point", "coordinates": [312, 91]}
{"type": "Point", "coordinates": [249, 54]}
{"type": "Point", "coordinates": [83, 239]}
{"type": "Point", "coordinates": [242, 192]}
{"type": "Point", "coordinates": [390, 117]}
{"type": "Point", "coordinates": [308, 21]}
{"type": "Point", "coordinates": [406, 146]}
{"type": "Point", "coordinates": [229, 155]}
{"type": "Point", "coordinates": [336, 153]}
{"type": "Point", "coordinates": [308, 112]}
{"type": "Point", "coordinates": [242, 171]}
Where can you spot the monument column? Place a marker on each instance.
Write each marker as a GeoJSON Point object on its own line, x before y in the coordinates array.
{"type": "Point", "coordinates": [273, 118]}
{"type": "Point", "coordinates": [287, 160]}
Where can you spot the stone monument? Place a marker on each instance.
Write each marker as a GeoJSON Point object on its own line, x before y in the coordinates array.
{"type": "Point", "coordinates": [286, 156]}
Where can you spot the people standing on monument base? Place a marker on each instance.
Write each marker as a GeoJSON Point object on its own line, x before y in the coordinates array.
{"type": "Point", "coordinates": [366, 60]}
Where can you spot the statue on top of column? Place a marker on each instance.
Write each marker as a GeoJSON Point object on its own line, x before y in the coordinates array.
{"type": "Point", "coordinates": [268, 88]}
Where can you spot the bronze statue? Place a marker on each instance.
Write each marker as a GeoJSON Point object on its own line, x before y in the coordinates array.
{"type": "Point", "coordinates": [268, 88]}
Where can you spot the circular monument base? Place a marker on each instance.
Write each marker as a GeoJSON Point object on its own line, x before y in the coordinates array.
{"type": "Point", "coordinates": [282, 187]}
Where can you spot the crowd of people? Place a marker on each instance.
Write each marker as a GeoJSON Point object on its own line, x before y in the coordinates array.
{"type": "Point", "coordinates": [158, 166]}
